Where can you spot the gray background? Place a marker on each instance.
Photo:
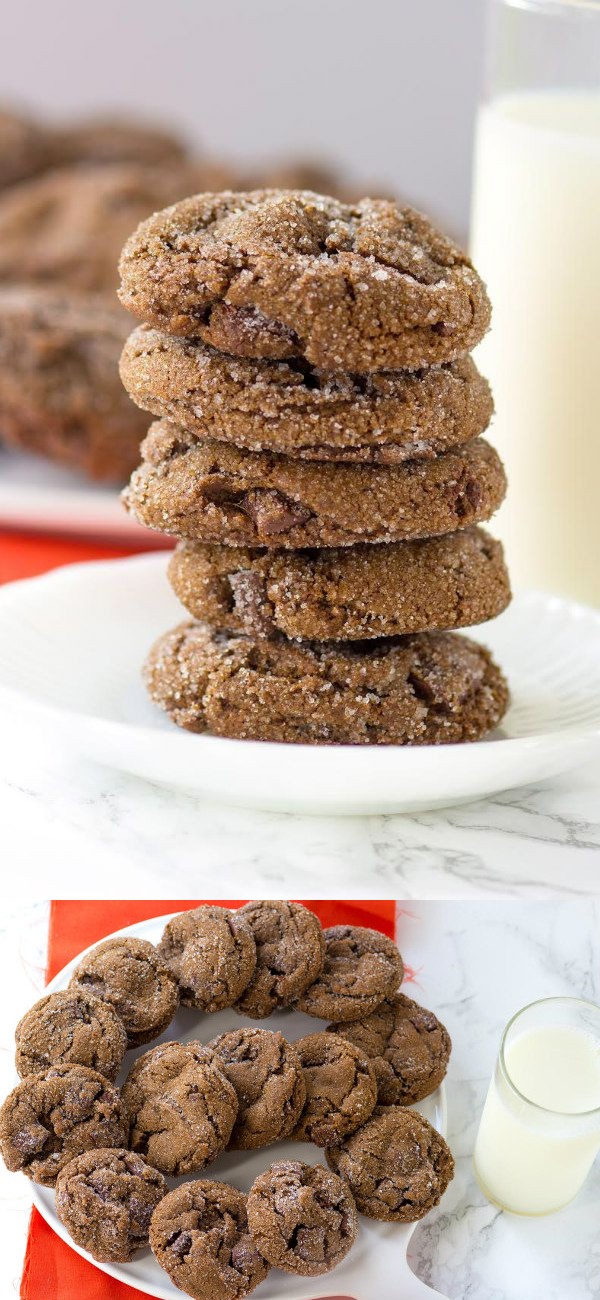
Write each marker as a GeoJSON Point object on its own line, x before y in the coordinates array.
{"type": "Point", "coordinates": [389, 87]}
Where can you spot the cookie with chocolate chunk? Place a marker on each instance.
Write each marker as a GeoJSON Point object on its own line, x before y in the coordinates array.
{"type": "Point", "coordinates": [344, 593]}
{"type": "Point", "coordinates": [212, 954]}
{"type": "Point", "coordinates": [281, 274]}
{"type": "Point", "coordinates": [267, 1077]}
{"type": "Point", "coordinates": [130, 975]}
{"type": "Point", "coordinates": [302, 1217]}
{"type": "Point", "coordinates": [397, 1165]}
{"type": "Point", "coordinates": [407, 1045]}
{"type": "Point", "coordinates": [106, 1199]}
{"type": "Point", "coordinates": [180, 1106]}
{"type": "Point", "coordinates": [288, 407]}
{"type": "Point", "coordinates": [199, 1235]}
{"type": "Point", "coordinates": [289, 954]}
{"type": "Point", "coordinates": [341, 1088]}
{"type": "Point", "coordinates": [361, 968]}
{"type": "Point", "coordinates": [432, 688]}
{"type": "Point", "coordinates": [213, 492]}
{"type": "Point", "coordinates": [55, 1115]}
{"type": "Point", "coordinates": [71, 1027]}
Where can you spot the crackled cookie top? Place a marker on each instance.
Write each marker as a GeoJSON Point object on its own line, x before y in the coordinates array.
{"type": "Point", "coordinates": [105, 1199]}
{"type": "Point", "coordinates": [130, 975]}
{"type": "Point", "coordinates": [71, 1027]}
{"type": "Point", "coordinates": [344, 593]}
{"type": "Point", "coordinates": [435, 688]}
{"type": "Point", "coordinates": [289, 407]}
{"type": "Point", "coordinates": [289, 955]}
{"type": "Point", "coordinates": [214, 492]}
{"type": "Point", "coordinates": [408, 1046]}
{"type": "Point", "coordinates": [341, 1088]}
{"type": "Point", "coordinates": [212, 954]}
{"type": "Point", "coordinates": [199, 1235]}
{"type": "Point", "coordinates": [267, 1076]}
{"type": "Point", "coordinates": [288, 273]}
{"type": "Point", "coordinates": [397, 1165]}
{"type": "Point", "coordinates": [55, 1115]}
{"type": "Point", "coordinates": [302, 1217]}
{"type": "Point", "coordinates": [362, 967]}
{"type": "Point", "coordinates": [180, 1106]}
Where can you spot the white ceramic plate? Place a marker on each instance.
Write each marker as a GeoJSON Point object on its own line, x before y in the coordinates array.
{"type": "Point", "coordinates": [36, 494]}
{"type": "Point", "coordinates": [71, 647]}
{"type": "Point", "coordinates": [375, 1269]}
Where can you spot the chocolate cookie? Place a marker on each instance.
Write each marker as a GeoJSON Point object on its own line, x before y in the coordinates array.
{"type": "Point", "coordinates": [347, 593]}
{"type": "Point", "coordinates": [105, 1199]}
{"type": "Point", "coordinates": [289, 955]}
{"type": "Point", "coordinates": [286, 407]}
{"type": "Point", "coordinates": [341, 1089]}
{"type": "Point", "coordinates": [267, 1076]}
{"type": "Point", "coordinates": [302, 1217]}
{"type": "Point", "coordinates": [70, 1028]}
{"type": "Point", "coordinates": [130, 975]}
{"type": "Point", "coordinates": [22, 147]}
{"type": "Point", "coordinates": [213, 492]}
{"type": "Point", "coordinates": [180, 1107]}
{"type": "Point", "coordinates": [408, 1046]}
{"type": "Point", "coordinates": [55, 1115]}
{"type": "Point", "coordinates": [60, 394]}
{"type": "Point", "coordinates": [362, 967]}
{"type": "Point", "coordinates": [199, 1235]}
{"type": "Point", "coordinates": [429, 689]}
{"type": "Point", "coordinates": [212, 954]}
{"type": "Point", "coordinates": [398, 1167]}
{"type": "Point", "coordinates": [115, 140]}
{"type": "Point", "coordinates": [279, 274]}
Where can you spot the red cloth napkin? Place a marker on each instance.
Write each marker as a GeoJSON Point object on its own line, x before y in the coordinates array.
{"type": "Point", "coordinates": [53, 1271]}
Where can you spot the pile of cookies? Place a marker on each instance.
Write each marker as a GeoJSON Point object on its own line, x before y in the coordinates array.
{"type": "Point", "coordinates": [318, 454]}
{"type": "Point", "coordinates": [347, 1089]}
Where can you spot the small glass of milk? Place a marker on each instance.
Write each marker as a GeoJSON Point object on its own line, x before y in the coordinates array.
{"type": "Point", "coordinates": [535, 239]}
{"type": "Point", "coordinates": [540, 1127]}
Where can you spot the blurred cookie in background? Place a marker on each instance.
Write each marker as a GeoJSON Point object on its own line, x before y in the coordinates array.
{"type": "Point", "coordinates": [108, 139]}
{"type": "Point", "coordinates": [22, 146]}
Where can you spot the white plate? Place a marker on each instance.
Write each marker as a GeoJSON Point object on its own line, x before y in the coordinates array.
{"type": "Point", "coordinates": [72, 644]}
{"type": "Point", "coordinates": [375, 1269]}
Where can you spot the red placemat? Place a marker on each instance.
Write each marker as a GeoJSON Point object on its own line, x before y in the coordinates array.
{"type": "Point", "coordinates": [24, 555]}
{"type": "Point", "coordinates": [53, 1271]}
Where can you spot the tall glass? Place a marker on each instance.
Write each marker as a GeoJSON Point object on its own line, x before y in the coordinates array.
{"type": "Point", "coordinates": [540, 1127]}
{"type": "Point", "coordinates": [536, 241]}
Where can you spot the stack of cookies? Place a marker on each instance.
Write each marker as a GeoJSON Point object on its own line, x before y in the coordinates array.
{"type": "Point", "coordinates": [318, 454]}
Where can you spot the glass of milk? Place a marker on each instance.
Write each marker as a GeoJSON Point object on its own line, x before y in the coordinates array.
{"type": "Point", "coordinates": [536, 241]}
{"type": "Point", "coordinates": [540, 1127]}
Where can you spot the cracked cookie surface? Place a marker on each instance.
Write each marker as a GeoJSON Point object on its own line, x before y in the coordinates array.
{"type": "Point", "coordinates": [397, 1165]}
{"type": "Point", "coordinates": [212, 492]}
{"type": "Point", "coordinates": [341, 1088]}
{"type": "Point", "coordinates": [287, 407]}
{"type": "Point", "coordinates": [280, 274]}
{"type": "Point", "coordinates": [289, 955]}
{"type": "Point", "coordinates": [344, 593]}
{"type": "Point", "coordinates": [130, 975]}
{"type": "Point", "coordinates": [407, 1045]}
{"type": "Point", "coordinates": [199, 1235]}
{"type": "Point", "coordinates": [212, 954]}
{"type": "Point", "coordinates": [434, 688]}
{"type": "Point", "coordinates": [180, 1105]}
{"type": "Point", "coordinates": [267, 1077]}
{"type": "Point", "coordinates": [55, 1115]}
{"type": "Point", "coordinates": [71, 1027]}
{"type": "Point", "coordinates": [302, 1217]}
{"type": "Point", "coordinates": [361, 968]}
{"type": "Point", "coordinates": [105, 1199]}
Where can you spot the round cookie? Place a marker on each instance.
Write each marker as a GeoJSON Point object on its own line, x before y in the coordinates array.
{"type": "Point", "coordinates": [362, 967]}
{"type": "Point", "coordinates": [71, 1027]}
{"type": "Point", "coordinates": [180, 1105]}
{"type": "Point", "coordinates": [199, 1235]}
{"type": "Point", "coordinates": [397, 1165]}
{"type": "Point", "coordinates": [55, 1115]}
{"type": "Point", "coordinates": [341, 1089]}
{"type": "Point", "coordinates": [267, 1077]}
{"type": "Point", "coordinates": [213, 492]}
{"type": "Point", "coordinates": [429, 689]}
{"type": "Point", "coordinates": [284, 407]}
{"type": "Point", "coordinates": [407, 1045]}
{"type": "Point", "coordinates": [60, 394]}
{"type": "Point", "coordinates": [130, 975]}
{"type": "Point", "coordinates": [289, 955]}
{"type": "Point", "coordinates": [346, 593]}
{"type": "Point", "coordinates": [109, 140]}
{"type": "Point", "coordinates": [302, 1217]}
{"type": "Point", "coordinates": [212, 954]}
{"type": "Point", "coordinates": [289, 273]}
{"type": "Point", "coordinates": [105, 1199]}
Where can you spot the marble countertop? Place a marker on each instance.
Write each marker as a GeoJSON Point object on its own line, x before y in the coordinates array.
{"type": "Point", "coordinates": [59, 813]}
{"type": "Point", "coordinates": [475, 964]}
